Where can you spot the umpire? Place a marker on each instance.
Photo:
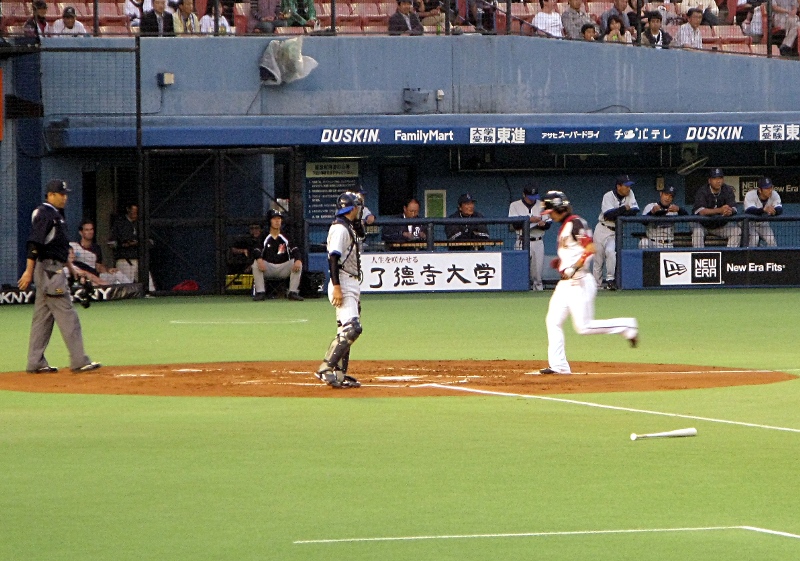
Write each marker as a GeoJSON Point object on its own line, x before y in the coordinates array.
{"type": "Point", "coordinates": [48, 249]}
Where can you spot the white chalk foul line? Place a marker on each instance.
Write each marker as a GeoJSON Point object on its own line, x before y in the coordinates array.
{"type": "Point", "coordinates": [613, 407]}
{"type": "Point", "coordinates": [545, 534]}
{"type": "Point", "coordinates": [237, 322]}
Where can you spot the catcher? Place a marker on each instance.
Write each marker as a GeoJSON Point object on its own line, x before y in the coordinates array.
{"type": "Point", "coordinates": [344, 291]}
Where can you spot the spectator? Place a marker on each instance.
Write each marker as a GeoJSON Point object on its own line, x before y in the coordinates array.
{"type": "Point", "coordinates": [124, 240]}
{"type": "Point", "coordinates": [530, 207]}
{"type": "Point", "coordinates": [660, 234]}
{"type": "Point", "coordinates": [135, 10]}
{"type": "Point", "coordinates": [244, 248]}
{"type": "Point", "coordinates": [689, 33]}
{"type": "Point", "coordinates": [157, 22]}
{"type": "Point", "coordinates": [654, 36]}
{"type": "Point", "coordinates": [277, 259]}
{"type": "Point", "coordinates": [574, 19]}
{"type": "Point", "coordinates": [715, 199]}
{"type": "Point", "coordinates": [548, 22]}
{"type": "Point", "coordinates": [763, 201]}
{"type": "Point", "coordinates": [620, 201]}
{"type": "Point", "coordinates": [404, 21]}
{"type": "Point", "coordinates": [784, 15]}
{"type": "Point", "coordinates": [466, 231]}
{"type": "Point", "coordinates": [37, 26]}
{"type": "Point", "coordinates": [207, 21]}
{"type": "Point", "coordinates": [399, 233]}
{"type": "Point", "coordinates": [708, 9]}
{"type": "Point", "coordinates": [81, 274]}
{"type": "Point", "coordinates": [430, 13]}
{"type": "Point", "coordinates": [299, 13]}
{"type": "Point", "coordinates": [616, 33]}
{"type": "Point", "coordinates": [366, 217]}
{"type": "Point", "coordinates": [619, 9]}
{"type": "Point", "coordinates": [752, 27]}
{"type": "Point", "coordinates": [184, 20]}
{"type": "Point", "coordinates": [89, 257]}
{"type": "Point", "coordinates": [265, 16]}
{"type": "Point", "coordinates": [589, 32]}
{"type": "Point", "coordinates": [67, 25]}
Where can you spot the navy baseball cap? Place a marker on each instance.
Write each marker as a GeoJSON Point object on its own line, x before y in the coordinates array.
{"type": "Point", "coordinates": [466, 198]}
{"type": "Point", "coordinates": [69, 12]}
{"type": "Point", "coordinates": [625, 180]}
{"type": "Point", "coordinates": [531, 191]}
{"type": "Point", "coordinates": [716, 172]}
{"type": "Point", "coordinates": [57, 186]}
{"type": "Point", "coordinates": [765, 183]}
{"type": "Point", "coordinates": [668, 190]}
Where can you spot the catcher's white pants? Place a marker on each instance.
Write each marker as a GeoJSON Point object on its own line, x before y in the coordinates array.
{"type": "Point", "coordinates": [351, 294]}
{"type": "Point", "coordinates": [575, 297]}
{"type": "Point", "coordinates": [606, 242]}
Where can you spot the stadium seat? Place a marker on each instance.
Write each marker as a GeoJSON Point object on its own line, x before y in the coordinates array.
{"type": "Point", "coordinates": [322, 8]}
{"type": "Point", "coordinates": [241, 13]}
{"type": "Point", "coordinates": [762, 50]}
{"type": "Point", "coordinates": [375, 29]}
{"type": "Point", "coordinates": [375, 20]}
{"type": "Point", "coordinates": [741, 48]}
{"type": "Point", "coordinates": [115, 30]}
{"type": "Point", "coordinates": [110, 16]}
{"type": "Point", "coordinates": [364, 9]}
{"type": "Point", "coordinates": [290, 30]}
{"type": "Point", "coordinates": [387, 8]}
{"type": "Point", "coordinates": [732, 34]}
{"type": "Point", "coordinates": [15, 13]}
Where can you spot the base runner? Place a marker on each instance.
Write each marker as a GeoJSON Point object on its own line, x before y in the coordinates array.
{"type": "Point", "coordinates": [344, 291]}
{"type": "Point", "coordinates": [575, 292]}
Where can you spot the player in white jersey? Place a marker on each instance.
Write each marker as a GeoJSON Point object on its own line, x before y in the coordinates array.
{"type": "Point", "coordinates": [575, 292]}
{"type": "Point", "coordinates": [530, 207]}
{"type": "Point", "coordinates": [344, 291]}
{"type": "Point", "coordinates": [620, 201]}
{"type": "Point", "coordinates": [765, 202]}
{"type": "Point", "coordinates": [660, 234]}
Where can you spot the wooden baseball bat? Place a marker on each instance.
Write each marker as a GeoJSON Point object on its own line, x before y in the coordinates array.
{"type": "Point", "coordinates": [668, 434]}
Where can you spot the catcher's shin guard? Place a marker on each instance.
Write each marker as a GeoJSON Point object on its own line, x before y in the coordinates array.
{"type": "Point", "coordinates": [340, 346]}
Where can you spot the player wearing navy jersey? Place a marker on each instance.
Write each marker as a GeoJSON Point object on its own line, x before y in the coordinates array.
{"type": "Point", "coordinates": [344, 291]}
{"type": "Point", "coordinates": [48, 255]}
{"type": "Point", "coordinates": [575, 292]}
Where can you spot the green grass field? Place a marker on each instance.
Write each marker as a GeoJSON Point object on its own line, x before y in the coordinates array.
{"type": "Point", "coordinates": [463, 477]}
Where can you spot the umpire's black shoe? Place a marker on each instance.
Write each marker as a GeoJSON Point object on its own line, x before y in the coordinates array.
{"type": "Point", "coordinates": [44, 370]}
{"type": "Point", "coordinates": [88, 367]}
{"type": "Point", "coordinates": [294, 296]}
{"type": "Point", "coordinates": [259, 297]}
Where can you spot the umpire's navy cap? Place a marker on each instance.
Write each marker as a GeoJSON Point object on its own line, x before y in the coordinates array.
{"type": "Point", "coordinates": [716, 172]}
{"type": "Point", "coordinates": [466, 198]}
{"type": "Point", "coordinates": [57, 186]}
{"type": "Point", "coordinates": [625, 180]}
{"type": "Point", "coordinates": [765, 183]}
{"type": "Point", "coordinates": [668, 190]}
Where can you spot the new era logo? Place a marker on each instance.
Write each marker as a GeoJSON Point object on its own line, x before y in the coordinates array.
{"type": "Point", "coordinates": [672, 268]}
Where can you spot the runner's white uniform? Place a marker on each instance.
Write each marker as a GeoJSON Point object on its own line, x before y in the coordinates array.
{"type": "Point", "coordinates": [576, 296]}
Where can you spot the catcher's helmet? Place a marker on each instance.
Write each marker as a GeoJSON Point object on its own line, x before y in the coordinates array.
{"type": "Point", "coordinates": [555, 201]}
{"type": "Point", "coordinates": [346, 202]}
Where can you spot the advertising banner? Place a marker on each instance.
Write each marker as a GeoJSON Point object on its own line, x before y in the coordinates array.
{"type": "Point", "coordinates": [424, 272]}
{"type": "Point", "coordinates": [750, 267]}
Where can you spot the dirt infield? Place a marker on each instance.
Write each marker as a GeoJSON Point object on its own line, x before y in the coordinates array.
{"type": "Point", "coordinates": [382, 379]}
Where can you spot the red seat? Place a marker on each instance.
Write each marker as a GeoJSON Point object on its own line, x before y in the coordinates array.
{"type": "Point", "coordinates": [16, 12]}
{"type": "Point", "coordinates": [115, 30]}
{"type": "Point", "coordinates": [740, 48]}
{"type": "Point", "coordinates": [365, 9]}
{"type": "Point", "coordinates": [387, 8]}
{"type": "Point", "coordinates": [375, 20]}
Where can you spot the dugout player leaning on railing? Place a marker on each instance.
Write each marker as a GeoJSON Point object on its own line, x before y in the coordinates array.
{"type": "Point", "coordinates": [48, 254]}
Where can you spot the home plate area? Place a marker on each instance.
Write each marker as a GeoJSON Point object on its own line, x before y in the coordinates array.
{"type": "Point", "coordinates": [382, 379]}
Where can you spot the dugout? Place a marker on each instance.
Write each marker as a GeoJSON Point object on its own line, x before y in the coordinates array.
{"type": "Point", "coordinates": [212, 150]}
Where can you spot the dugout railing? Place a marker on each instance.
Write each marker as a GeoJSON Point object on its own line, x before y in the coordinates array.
{"type": "Point", "coordinates": [675, 261]}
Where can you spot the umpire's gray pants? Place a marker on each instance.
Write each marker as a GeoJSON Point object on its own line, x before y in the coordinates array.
{"type": "Point", "coordinates": [54, 309]}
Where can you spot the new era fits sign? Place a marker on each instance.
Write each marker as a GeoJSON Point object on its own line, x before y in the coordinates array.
{"type": "Point", "coordinates": [703, 267]}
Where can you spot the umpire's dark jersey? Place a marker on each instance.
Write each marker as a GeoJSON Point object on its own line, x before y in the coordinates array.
{"type": "Point", "coordinates": [48, 239]}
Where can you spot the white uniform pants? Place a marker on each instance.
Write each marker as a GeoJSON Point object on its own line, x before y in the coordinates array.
{"type": "Point", "coordinates": [351, 295]}
{"type": "Point", "coordinates": [732, 231]}
{"type": "Point", "coordinates": [761, 231]}
{"type": "Point", "coordinates": [276, 271]}
{"type": "Point", "coordinates": [575, 297]}
{"type": "Point", "coordinates": [606, 241]}
{"type": "Point", "coordinates": [536, 262]}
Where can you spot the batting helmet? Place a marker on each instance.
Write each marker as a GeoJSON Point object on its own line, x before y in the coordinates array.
{"type": "Point", "coordinates": [273, 213]}
{"type": "Point", "coordinates": [555, 200]}
{"type": "Point", "coordinates": [346, 202]}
